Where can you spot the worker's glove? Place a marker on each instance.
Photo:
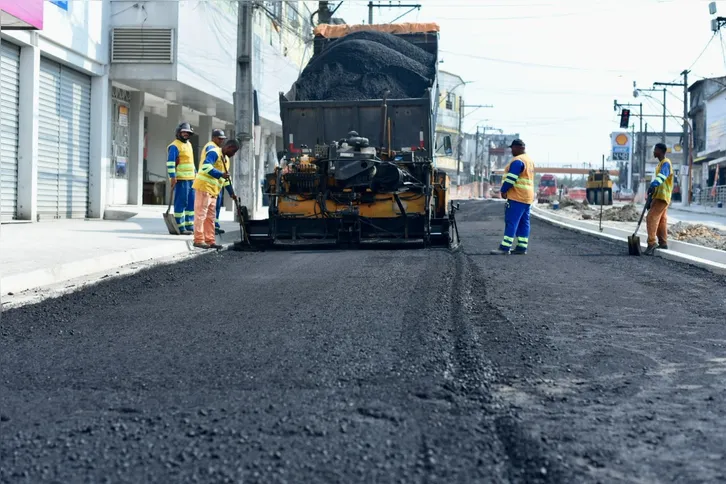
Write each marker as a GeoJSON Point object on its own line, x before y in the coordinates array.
{"type": "Point", "coordinates": [173, 181]}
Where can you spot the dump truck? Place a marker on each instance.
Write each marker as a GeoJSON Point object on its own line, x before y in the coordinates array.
{"type": "Point", "coordinates": [599, 187]}
{"type": "Point", "coordinates": [547, 189]}
{"type": "Point", "coordinates": [359, 171]}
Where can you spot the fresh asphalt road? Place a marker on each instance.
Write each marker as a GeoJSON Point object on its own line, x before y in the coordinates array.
{"type": "Point", "coordinates": [575, 363]}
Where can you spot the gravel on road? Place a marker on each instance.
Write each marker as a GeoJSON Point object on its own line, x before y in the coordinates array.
{"type": "Point", "coordinates": [575, 363]}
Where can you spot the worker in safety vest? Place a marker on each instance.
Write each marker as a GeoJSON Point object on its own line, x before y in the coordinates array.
{"type": "Point", "coordinates": [218, 139]}
{"type": "Point", "coordinates": [659, 192]}
{"type": "Point", "coordinates": [518, 189]}
{"type": "Point", "coordinates": [181, 169]}
{"type": "Point", "coordinates": [208, 185]}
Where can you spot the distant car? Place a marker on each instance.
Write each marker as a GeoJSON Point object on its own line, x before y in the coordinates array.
{"type": "Point", "coordinates": [624, 194]}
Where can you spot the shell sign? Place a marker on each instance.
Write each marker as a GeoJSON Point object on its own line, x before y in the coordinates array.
{"type": "Point", "coordinates": [620, 143]}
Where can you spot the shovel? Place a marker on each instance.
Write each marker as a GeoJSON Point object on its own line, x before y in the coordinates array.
{"type": "Point", "coordinates": [633, 240]}
{"type": "Point", "coordinates": [169, 219]}
{"type": "Point", "coordinates": [243, 217]}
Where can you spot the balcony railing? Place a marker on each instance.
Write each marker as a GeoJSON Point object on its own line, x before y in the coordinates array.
{"type": "Point", "coordinates": [710, 196]}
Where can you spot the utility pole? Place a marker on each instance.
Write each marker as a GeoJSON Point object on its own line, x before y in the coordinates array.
{"type": "Point", "coordinates": [685, 143]}
{"type": "Point", "coordinates": [244, 173]}
{"type": "Point", "coordinates": [645, 149]}
{"type": "Point", "coordinates": [460, 143]}
{"type": "Point", "coordinates": [372, 5]}
{"type": "Point", "coordinates": [324, 13]}
{"type": "Point", "coordinates": [461, 132]}
{"type": "Point", "coordinates": [476, 157]}
{"type": "Point", "coordinates": [663, 140]}
{"type": "Point", "coordinates": [686, 140]}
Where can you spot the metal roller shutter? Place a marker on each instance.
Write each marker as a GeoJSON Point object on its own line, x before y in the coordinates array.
{"type": "Point", "coordinates": [63, 141]}
{"type": "Point", "coordinates": [9, 88]}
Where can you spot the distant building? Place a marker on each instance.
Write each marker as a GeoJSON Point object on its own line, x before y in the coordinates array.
{"type": "Point", "coordinates": [491, 150]}
{"type": "Point", "coordinates": [708, 118]}
{"type": "Point", "coordinates": [448, 137]}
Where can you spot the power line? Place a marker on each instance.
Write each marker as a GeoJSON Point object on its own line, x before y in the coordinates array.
{"type": "Point", "coordinates": [534, 64]}
{"type": "Point", "coordinates": [723, 51]}
{"type": "Point", "coordinates": [703, 51]}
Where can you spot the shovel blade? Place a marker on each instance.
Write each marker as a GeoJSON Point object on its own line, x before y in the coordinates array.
{"type": "Point", "coordinates": [171, 225]}
{"type": "Point", "coordinates": [634, 245]}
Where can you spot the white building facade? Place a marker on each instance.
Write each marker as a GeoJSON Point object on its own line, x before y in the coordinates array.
{"type": "Point", "coordinates": [448, 135]}
{"type": "Point", "coordinates": [90, 102]}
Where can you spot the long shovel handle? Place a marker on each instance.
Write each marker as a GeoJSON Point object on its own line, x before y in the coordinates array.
{"type": "Point", "coordinates": [171, 200]}
{"type": "Point", "coordinates": [642, 214]}
{"type": "Point", "coordinates": [224, 164]}
{"type": "Point", "coordinates": [243, 233]}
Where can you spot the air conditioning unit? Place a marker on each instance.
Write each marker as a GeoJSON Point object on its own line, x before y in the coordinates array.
{"type": "Point", "coordinates": [142, 46]}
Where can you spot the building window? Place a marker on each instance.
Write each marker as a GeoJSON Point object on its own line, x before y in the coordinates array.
{"type": "Point", "coordinates": [275, 8]}
{"type": "Point", "coordinates": [292, 16]}
{"type": "Point", "coordinates": [450, 100]}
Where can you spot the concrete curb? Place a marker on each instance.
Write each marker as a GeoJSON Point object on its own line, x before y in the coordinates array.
{"type": "Point", "coordinates": [41, 278]}
{"type": "Point", "coordinates": [615, 235]}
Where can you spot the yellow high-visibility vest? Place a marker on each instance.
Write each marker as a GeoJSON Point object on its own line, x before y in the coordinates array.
{"type": "Point", "coordinates": [204, 180]}
{"type": "Point", "coordinates": [665, 189]}
{"type": "Point", "coordinates": [523, 189]}
{"type": "Point", "coordinates": [183, 168]}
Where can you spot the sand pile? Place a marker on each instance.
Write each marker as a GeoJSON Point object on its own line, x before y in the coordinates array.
{"type": "Point", "coordinates": [576, 204]}
{"type": "Point", "coordinates": [698, 234]}
{"type": "Point", "coordinates": [626, 213]}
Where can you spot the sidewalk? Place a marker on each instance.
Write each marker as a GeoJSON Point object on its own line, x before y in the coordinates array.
{"type": "Point", "coordinates": [699, 209]}
{"type": "Point", "coordinates": [36, 255]}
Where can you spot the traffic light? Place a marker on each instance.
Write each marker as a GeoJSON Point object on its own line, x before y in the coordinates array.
{"type": "Point", "coordinates": [625, 118]}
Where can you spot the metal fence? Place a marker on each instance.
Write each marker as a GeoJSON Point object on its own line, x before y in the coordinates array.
{"type": "Point", "coordinates": [710, 196]}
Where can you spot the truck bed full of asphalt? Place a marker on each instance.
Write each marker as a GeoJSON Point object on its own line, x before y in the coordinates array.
{"type": "Point", "coordinates": [364, 65]}
{"type": "Point", "coordinates": [575, 363]}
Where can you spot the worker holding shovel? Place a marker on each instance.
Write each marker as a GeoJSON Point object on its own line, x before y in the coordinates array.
{"type": "Point", "coordinates": [208, 184]}
{"type": "Point", "coordinates": [659, 193]}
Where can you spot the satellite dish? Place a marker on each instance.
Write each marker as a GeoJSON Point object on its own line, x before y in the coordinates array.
{"type": "Point", "coordinates": [712, 8]}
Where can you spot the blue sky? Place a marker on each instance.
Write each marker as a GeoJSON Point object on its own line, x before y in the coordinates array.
{"type": "Point", "coordinates": [552, 68]}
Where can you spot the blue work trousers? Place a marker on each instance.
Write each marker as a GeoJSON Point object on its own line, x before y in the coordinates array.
{"type": "Point", "coordinates": [184, 205]}
{"type": "Point", "coordinates": [516, 226]}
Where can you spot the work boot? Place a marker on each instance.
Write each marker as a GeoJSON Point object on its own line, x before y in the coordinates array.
{"type": "Point", "coordinates": [519, 252]}
{"type": "Point", "coordinates": [650, 250]}
{"type": "Point", "coordinates": [201, 245]}
{"type": "Point", "coordinates": [215, 246]}
{"type": "Point", "coordinates": [499, 252]}
{"type": "Point", "coordinates": [663, 246]}
{"type": "Point", "coordinates": [219, 231]}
